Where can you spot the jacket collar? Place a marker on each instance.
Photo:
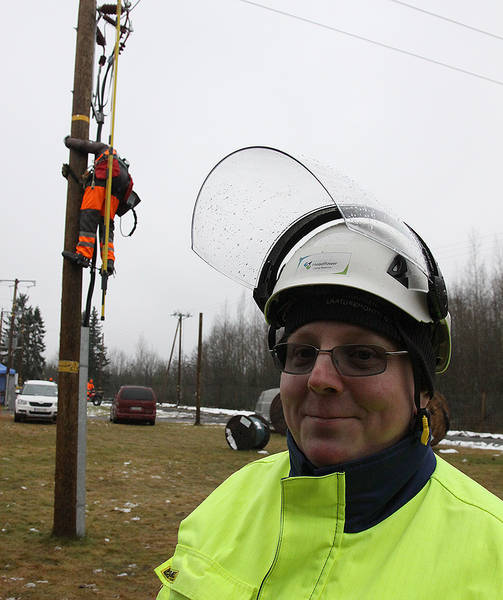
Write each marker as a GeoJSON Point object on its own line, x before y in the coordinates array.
{"type": "Point", "coordinates": [377, 485]}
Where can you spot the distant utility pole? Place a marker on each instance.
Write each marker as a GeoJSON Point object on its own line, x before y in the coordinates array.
{"type": "Point", "coordinates": [9, 397]}
{"type": "Point", "coordinates": [1, 328]}
{"type": "Point", "coordinates": [198, 372]}
{"type": "Point", "coordinates": [67, 438]}
{"type": "Point", "coordinates": [180, 317]}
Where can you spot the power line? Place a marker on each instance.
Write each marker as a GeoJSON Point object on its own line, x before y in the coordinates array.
{"type": "Point", "coordinates": [375, 42]}
{"type": "Point", "coordinates": [432, 14]}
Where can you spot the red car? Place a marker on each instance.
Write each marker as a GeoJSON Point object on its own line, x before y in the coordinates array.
{"type": "Point", "coordinates": [134, 403]}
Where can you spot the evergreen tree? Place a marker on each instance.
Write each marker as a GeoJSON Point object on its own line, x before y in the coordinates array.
{"type": "Point", "coordinates": [98, 354]}
{"type": "Point", "coordinates": [29, 333]}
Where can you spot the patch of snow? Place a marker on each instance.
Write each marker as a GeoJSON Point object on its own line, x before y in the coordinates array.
{"type": "Point", "coordinates": [34, 530]}
{"type": "Point", "coordinates": [262, 452]}
{"type": "Point", "coordinates": [468, 444]}
{"type": "Point", "coordinates": [496, 436]}
{"type": "Point", "coordinates": [124, 510]}
{"type": "Point", "coordinates": [122, 575]}
{"type": "Point", "coordinates": [210, 410]}
{"type": "Point", "coordinates": [449, 451]}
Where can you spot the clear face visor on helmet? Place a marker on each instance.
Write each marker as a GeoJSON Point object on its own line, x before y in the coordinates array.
{"type": "Point", "coordinates": [253, 197]}
{"type": "Point", "coordinates": [258, 205]}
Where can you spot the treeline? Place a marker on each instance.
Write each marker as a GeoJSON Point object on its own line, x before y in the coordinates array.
{"type": "Point", "coordinates": [26, 340]}
{"type": "Point", "coordinates": [236, 365]}
{"type": "Point", "coordinates": [235, 368]}
{"type": "Point", "coordinates": [473, 384]}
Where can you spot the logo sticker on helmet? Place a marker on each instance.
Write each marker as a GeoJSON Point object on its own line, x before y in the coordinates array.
{"type": "Point", "coordinates": [335, 263]}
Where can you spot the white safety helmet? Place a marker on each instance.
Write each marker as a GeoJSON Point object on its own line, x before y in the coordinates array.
{"type": "Point", "coordinates": [258, 219]}
{"type": "Point", "coordinates": [339, 256]}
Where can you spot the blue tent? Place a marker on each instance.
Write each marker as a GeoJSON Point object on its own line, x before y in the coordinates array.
{"type": "Point", "coordinates": [3, 373]}
{"type": "Point", "coordinates": [3, 370]}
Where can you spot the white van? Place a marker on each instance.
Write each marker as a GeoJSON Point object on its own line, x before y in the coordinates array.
{"type": "Point", "coordinates": [38, 400]}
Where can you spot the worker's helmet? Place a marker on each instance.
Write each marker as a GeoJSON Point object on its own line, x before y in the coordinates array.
{"type": "Point", "coordinates": [90, 381]}
{"type": "Point", "coordinates": [289, 228]}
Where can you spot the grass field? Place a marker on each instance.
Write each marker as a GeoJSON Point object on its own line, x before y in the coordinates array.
{"type": "Point", "coordinates": [141, 481]}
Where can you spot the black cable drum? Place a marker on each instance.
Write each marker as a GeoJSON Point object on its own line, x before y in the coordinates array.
{"type": "Point", "coordinates": [247, 432]}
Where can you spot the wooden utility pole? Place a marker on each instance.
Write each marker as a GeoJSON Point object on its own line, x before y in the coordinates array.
{"type": "Point", "coordinates": [65, 489]}
{"type": "Point", "coordinates": [9, 401]}
{"type": "Point", "coordinates": [180, 316]}
{"type": "Point", "coordinates": [179, 380]}
{"type": "Point", "coordinates": [198, 373]}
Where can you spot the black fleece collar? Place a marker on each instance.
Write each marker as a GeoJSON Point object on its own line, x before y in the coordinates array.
{"type": "Point", "coordinates": [378, 485]}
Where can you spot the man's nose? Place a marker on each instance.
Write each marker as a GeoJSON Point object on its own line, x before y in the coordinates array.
{"type": "Point", "coordinates": [325, 378]}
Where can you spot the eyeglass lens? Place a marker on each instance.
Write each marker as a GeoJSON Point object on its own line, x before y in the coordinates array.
{"type": "Point", "coordinates": [354, 360]}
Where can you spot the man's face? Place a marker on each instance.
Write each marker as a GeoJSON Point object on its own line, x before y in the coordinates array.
{"type": "Point", "coordinates": [335, 418]}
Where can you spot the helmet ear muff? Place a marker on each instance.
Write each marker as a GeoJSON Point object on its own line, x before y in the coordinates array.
{"type": "Point", "coordinates": [437, 297]}
{"type": "Point", "coordinates": [437, 292]}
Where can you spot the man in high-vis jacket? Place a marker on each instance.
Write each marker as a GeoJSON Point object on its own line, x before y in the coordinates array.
{"type": "Point", "coordinates": [359, 508]}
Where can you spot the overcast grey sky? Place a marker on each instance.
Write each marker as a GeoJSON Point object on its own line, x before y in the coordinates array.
{"type": "Point", "coordinates": [200, 79]}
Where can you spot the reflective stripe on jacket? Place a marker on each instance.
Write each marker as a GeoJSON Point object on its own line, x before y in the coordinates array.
{"type": "Point", "coordinates": [262, 534]}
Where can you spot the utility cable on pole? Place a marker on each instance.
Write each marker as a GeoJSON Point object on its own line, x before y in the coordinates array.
{"type": "Point", "coordinates": [104, 266]}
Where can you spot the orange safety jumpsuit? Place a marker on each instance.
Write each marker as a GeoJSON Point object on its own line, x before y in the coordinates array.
{"type": "Point", "coordinates": [92, 209]}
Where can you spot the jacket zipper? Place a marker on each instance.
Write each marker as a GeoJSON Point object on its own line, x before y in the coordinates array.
{"type": "Point", "coordinates": [278, 546]}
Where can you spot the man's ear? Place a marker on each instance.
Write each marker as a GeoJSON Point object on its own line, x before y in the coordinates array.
{"type": "Point", "coordinates": [424, 398]}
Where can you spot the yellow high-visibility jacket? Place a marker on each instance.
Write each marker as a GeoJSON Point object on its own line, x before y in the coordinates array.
{"type": "Point", "coordinates": [263, 534]}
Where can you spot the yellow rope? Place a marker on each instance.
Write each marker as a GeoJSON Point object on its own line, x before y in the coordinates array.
{"type": "Point", "coordinates": [108, 196]}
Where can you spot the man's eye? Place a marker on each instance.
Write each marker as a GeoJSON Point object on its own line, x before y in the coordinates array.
{"type": "Point", "coordinates": [302, 353]}
{"type": "Point", "coordinates": [362, 356]}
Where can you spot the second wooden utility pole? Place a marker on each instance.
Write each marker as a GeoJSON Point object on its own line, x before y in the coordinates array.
{"type": "Point", "coordinates": [65, 488]}
{"type": "Point", "coordinates": [198, 372]}
{"type": "Point", "coordinates": [180, 316]}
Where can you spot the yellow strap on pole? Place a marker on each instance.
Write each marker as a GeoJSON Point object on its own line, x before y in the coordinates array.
{"type": "Point", "coordinates": [104, 265]}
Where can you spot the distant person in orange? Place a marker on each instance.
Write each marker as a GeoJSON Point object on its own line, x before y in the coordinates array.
{"type": "Point", "coordinates": [92, 209]}
{"type": "Point", "coordinates": [90, 388]}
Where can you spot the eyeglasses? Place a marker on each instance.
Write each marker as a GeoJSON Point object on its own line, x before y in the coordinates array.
{"type": "Point", "coordinates": [351, 360]}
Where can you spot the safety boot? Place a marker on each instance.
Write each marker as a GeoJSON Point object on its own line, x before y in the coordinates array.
{"type": "Point", "coordinates": [77, 259]}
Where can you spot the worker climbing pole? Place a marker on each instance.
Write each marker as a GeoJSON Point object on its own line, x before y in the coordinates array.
{"type": "Point", "coordinates": [107, 186]}
{"type": "Point", "coordinates": [101, 191]}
